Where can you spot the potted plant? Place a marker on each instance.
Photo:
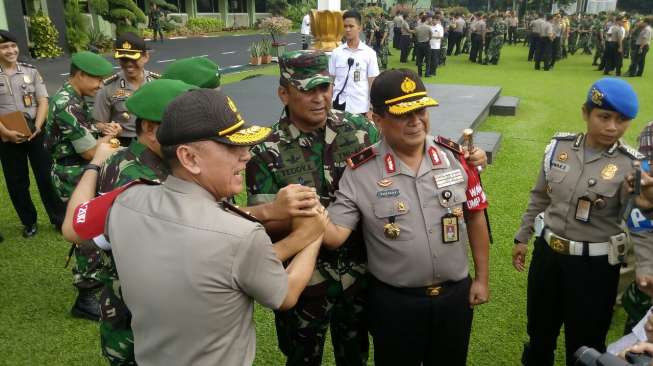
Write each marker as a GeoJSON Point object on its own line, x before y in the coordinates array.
{"type": "Point", "coordinates": [266, 49]}
{"type": "Point", "coordinates": [277, 27]}
{"type": "Point", "coordinates": [255, 53]}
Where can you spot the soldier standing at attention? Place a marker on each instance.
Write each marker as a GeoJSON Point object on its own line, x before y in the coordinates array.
{"type": "Point", "coordinates": [545, 49]}
{"type": "Point", "coordinates": [155, 16]}
{"type": "Point", "coordinates": [22, 89]}
{"type": "Point", "coordinates": [534, 46]}
{"type": "Point", "coordinates": [579, 246]}
{"type": "Point", "coordinates": [132, 55]}
{"type": "Point", "coordinates": [496, 43]}
{"type": "Point", "coordinates": [419, 205]}
{"type": "Point", "coordinates": [72, 138]}
{"type": "Point", "coordinates": [423, 36]}
{"type": "Point", "coordinates": [479, 29]}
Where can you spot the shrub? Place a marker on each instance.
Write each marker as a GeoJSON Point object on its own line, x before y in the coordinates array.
{"type": "Point", "coordinates": [296, 12]}
{"type": "Point", "coordinates": [99, 40]}
{"type": "Point", "coordinates": [43, 37]}
{"type": "Point", "coordinates": [204, 25]}
{"type": "Point", "coordinates": [276, 26]}
{"type": "Point", "coordinates": [278, 7]}
{"type": "Point", "coordinates": [76, 35]}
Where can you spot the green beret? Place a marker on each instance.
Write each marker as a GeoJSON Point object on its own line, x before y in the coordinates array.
{"type": "Point", "coordinates": [151, 99]}
{"type": "Point", "coordinates": [198, 71]}
{"type": "Point", "coordinates": [92, 63]}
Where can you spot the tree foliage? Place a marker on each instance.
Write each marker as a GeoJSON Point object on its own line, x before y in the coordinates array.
{"type": "Point", "coordinates": [44, 37]}
{"type": "Point", "coordinates": [76, 35]}
{"type": "Point", "coordinates": [636, 6]}
{"type": "Point", "coordinates": [125, 14]}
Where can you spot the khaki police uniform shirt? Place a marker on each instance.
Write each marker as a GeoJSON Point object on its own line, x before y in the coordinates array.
{"type": "Point", "coordinates": [536, 25]}
{"type": "Point", "coordinates": [24, 86]}
{"type": "Point", "coordinates": [110, 102]}
{"type": "Point", "coordinates": [481, 27]}
{"type": "Point", "coordinates": [417, 257]}
{"type": "Point", "coordinates": [405, 28]}
{"type": "Point", "coordinates": [423, 33]}
{"type": "Point", "coordinates": [566, 176]}
{"type": "Point", "coordinates": [546, 29]}
{"type": "Point", "coordinates": [644, 36]}
{"type": "Point", "coordinates": [190, 272]}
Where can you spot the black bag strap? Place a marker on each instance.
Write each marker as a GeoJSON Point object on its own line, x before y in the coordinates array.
{"type": "Point", "coordinates": [350, 63]}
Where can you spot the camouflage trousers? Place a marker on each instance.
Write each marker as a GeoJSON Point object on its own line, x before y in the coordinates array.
{"type": "Point", "coordinates": [116, 336]}
{"type": "Point", "coordinates": [87, 264]}
{"type": "Point", "coordinates": [335, 299]}
{"type": "Point", "coordinates": [493, 50]}
{"type": "Point", "coordinates": [572, 44]}
{"type": "Point", "coordinates": [585, 43]}
{"type": "Point", "coordinates": [636, 304]}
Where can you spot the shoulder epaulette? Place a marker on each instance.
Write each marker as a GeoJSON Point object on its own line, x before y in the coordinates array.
{"type": "Point", "coordinates": [451, 145]}
{"type": "Point", "coordinates": [27, 65]}
{"type": "Point", "coordinates": [154, 75]}
{"type": "Point", "coordinates": [110, 79]}
{"type": "Point", "coordinates": [234, 209]}
{"type": "Point", "coordinates": [361, 157]}
{"type": "Point", "coordinates": [565, 136]}
{"type": "Point", "coordinates": [632, 153]}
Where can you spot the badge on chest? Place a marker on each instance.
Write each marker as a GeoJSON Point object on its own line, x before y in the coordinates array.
{"type": "Point", "coordinates": [449, 178]}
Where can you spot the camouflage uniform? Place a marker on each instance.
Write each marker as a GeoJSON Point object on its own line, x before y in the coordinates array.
{"type": "Point", "coordinates": [585, 36]}
{"type": "Point", "coordinates": [599, 40]}
{"type": "Point", "coordinates": [493, 51]}
{"type": "Point", "coordinates": [574, 35]}
{"type": "Point", "coordinates": [129, 164]}
{"type": "Point", "coordinates": [335, 292]}
{"type": "Point", "coordinates": [69, 130]}
{"type": "Point", "coordinates": [381, 48]}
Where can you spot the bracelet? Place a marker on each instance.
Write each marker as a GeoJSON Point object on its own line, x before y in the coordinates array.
{"type": "Point", "coordinates": [91, 167]}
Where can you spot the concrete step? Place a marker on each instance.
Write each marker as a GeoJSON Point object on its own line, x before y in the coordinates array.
{"type": "Point", "coordinates": [505, 106]}
{"type": "Point", "coordinates": [490, 142]}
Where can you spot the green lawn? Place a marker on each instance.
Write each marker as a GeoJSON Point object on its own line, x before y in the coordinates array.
{"type": "Point", "coordinates": [36, 329]}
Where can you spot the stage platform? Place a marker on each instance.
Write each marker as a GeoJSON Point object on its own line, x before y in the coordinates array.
{"type": "Point", "coordinates": [461, 106]}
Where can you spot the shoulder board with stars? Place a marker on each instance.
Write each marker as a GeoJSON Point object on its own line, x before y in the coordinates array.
{"type": "Point", "coordinates": [361, 157]}
{"type": "Point", "coordinates": [565, 136]}
{"type": "Point", "coordinates": [27, 65]}
{"type": "Point", "coordinates": [632, 153]}
{"type": "Point", "coordinates": [110, 79]}
{"type": "Point", "coordinates": [236, 210]}
{"type": "Point", "coordinates": [451, 145]}
{"type": "Point", "coordinates": [153, 75]}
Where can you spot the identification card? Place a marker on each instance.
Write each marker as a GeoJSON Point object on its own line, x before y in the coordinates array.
{"type": "Point", "coordinates": [27, 100]}
{"type": "Point", "coordinates": [450, 232]}
{"type": "Point", "coordinates": [357, 76]}
{"type": "Point", "coordinates": [583, 209]}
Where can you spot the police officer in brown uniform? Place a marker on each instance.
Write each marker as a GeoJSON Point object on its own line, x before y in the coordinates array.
{"type": "Point", "coordinates": [580, 243]}
{"type": "Point", "coordinates": [131, 53]}
{"type": "Point", "coordinates": [419, 205]}
{"type": "Point", "coordinates": [22, 90]}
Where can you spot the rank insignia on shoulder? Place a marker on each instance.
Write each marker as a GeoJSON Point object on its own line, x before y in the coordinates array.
{"type": "Point", "coordinates": [110, 79]}
{"type": "Point", "coordinates": [632, 153]}
{"type": "Point", "coordinates": [236, 210]}
{"type": "Point", "coordinates": [565, 136]}
{"type": "Point", "coordinates": [27, 65]}
{"type": "Point", "coordinates": [451, 145]}
{"type": "Point", "coordinates": [361, 157]}
{"type": "Point", "coordinates": [154, 75]}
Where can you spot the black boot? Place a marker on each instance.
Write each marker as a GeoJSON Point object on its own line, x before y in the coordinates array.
{"type": "Point", "coordinates": [86, 305]}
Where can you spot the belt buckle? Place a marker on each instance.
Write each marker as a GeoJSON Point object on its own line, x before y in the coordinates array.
{"type": "Point", "coordinates": [433, 291]}
{"type": "Point", "coordinates": [560, 245]}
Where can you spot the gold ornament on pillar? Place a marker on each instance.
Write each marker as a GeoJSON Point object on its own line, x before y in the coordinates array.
{"type": "Point", "coordinates": [327, 28]}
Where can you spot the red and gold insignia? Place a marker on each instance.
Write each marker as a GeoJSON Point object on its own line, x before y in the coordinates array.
{"type": "Point", "coordinates": [433, 154]}
{"type": "Point", "coordinates": [361, 157]}
{"type": "Point", "coordinates": [384, 183]}
{"type": "Point", "coordinates": [390, 165]}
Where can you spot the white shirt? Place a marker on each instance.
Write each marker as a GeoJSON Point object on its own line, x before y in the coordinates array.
{"type": "Point", "coordinates": [436, 38]}
{"type": "Point", "coordinates": [357, 90]}
{"type": "Point", "coordinates": [306, 25]}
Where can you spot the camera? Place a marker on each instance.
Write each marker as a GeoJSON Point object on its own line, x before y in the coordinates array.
{"type": "Point", "coordinates": [586, 356]}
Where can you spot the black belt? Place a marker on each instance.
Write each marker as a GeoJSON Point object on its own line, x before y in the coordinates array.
{"type": "Point", "coordinates": [428, 291]}
{"type": "Point", "coordinates": [70, 160]}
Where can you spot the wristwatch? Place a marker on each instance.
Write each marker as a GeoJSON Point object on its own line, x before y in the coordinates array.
{"type": "Point", "coordinates": [91, 167]}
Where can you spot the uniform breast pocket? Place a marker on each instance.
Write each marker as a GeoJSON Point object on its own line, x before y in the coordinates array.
{"type": "Point", "coordinates": [393, 219]}
{"type": "Point", "coordinates": [556, 176]}
{"type": "Point", "coordinates": [451, 197]}
{"type": "Point", "coordinates": [342, 68]}
{"type": "Point", "coordinates": [605, 195]}
{"type": "Point", "coordinates": [4, 89]}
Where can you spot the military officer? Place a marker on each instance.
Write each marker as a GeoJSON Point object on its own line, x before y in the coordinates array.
{"type": "Point", "coordinates": [419, 205]}
{"type": "Point", "coordinates": [140, 160]}
{"type": "Point", "coordinates": [72, 138]}
{"type": "Point", "coordinates": [499, 28]}
{"type": "Point", "coordinates": [131, 53]}
{"type": "Point", "coordinates": [22, 90]}
{"type": "Point", "coordinates": [199, 71]}
{"type": "Point", "coordinates": [579, 242]}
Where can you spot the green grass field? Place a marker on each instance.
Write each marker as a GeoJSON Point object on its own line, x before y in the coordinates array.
{"type": "Point", "coordinates": [36, 291]}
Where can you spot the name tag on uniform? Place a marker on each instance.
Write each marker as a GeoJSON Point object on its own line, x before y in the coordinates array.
{"type": "Point", "coordinates": [449, 178]}
{"type": "Point", "coordinates": [560, 166]}
{"type": "Point", "coordinates": [357, 76]}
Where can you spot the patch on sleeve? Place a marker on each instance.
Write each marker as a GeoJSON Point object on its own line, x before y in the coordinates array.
{"type": "Point", "coordinates": [361, 157]}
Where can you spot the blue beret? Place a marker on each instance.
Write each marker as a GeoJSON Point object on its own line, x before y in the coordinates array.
{"type": "Point", "coordinates": [615, 95]}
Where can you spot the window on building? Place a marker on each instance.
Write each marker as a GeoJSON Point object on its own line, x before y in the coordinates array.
{"type": "Point", "coordinates": [261, 6]}
{"type": "Point", "coordinates": [180, 4]}
{"type": "Point", "coordinates": [237, 6]}
{"type": "Point", "coordinates": [208, 6]}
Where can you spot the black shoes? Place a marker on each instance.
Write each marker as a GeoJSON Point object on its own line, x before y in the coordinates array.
{"type": "Point", "coordinates": [86, 306]}
{"type": "Point", "coordinates": [29, 231]}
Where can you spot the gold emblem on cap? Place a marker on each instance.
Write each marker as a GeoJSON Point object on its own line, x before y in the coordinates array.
{"type": "Point", "coordinates": [408, 85]}
{"type": "Point", "coordinates": [609, 171]}
{"type": "Point", "coordinates": [248, 135]}
{"type": "Point", "coordinates": [126, 45]}
{"type": "Point", "coordinates": [597, 97]}
{"type": "Point", "coordinates": [563, 156]}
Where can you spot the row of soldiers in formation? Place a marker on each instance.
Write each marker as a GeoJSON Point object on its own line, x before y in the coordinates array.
{"type": "Point", "coordinates": [608, 37]}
